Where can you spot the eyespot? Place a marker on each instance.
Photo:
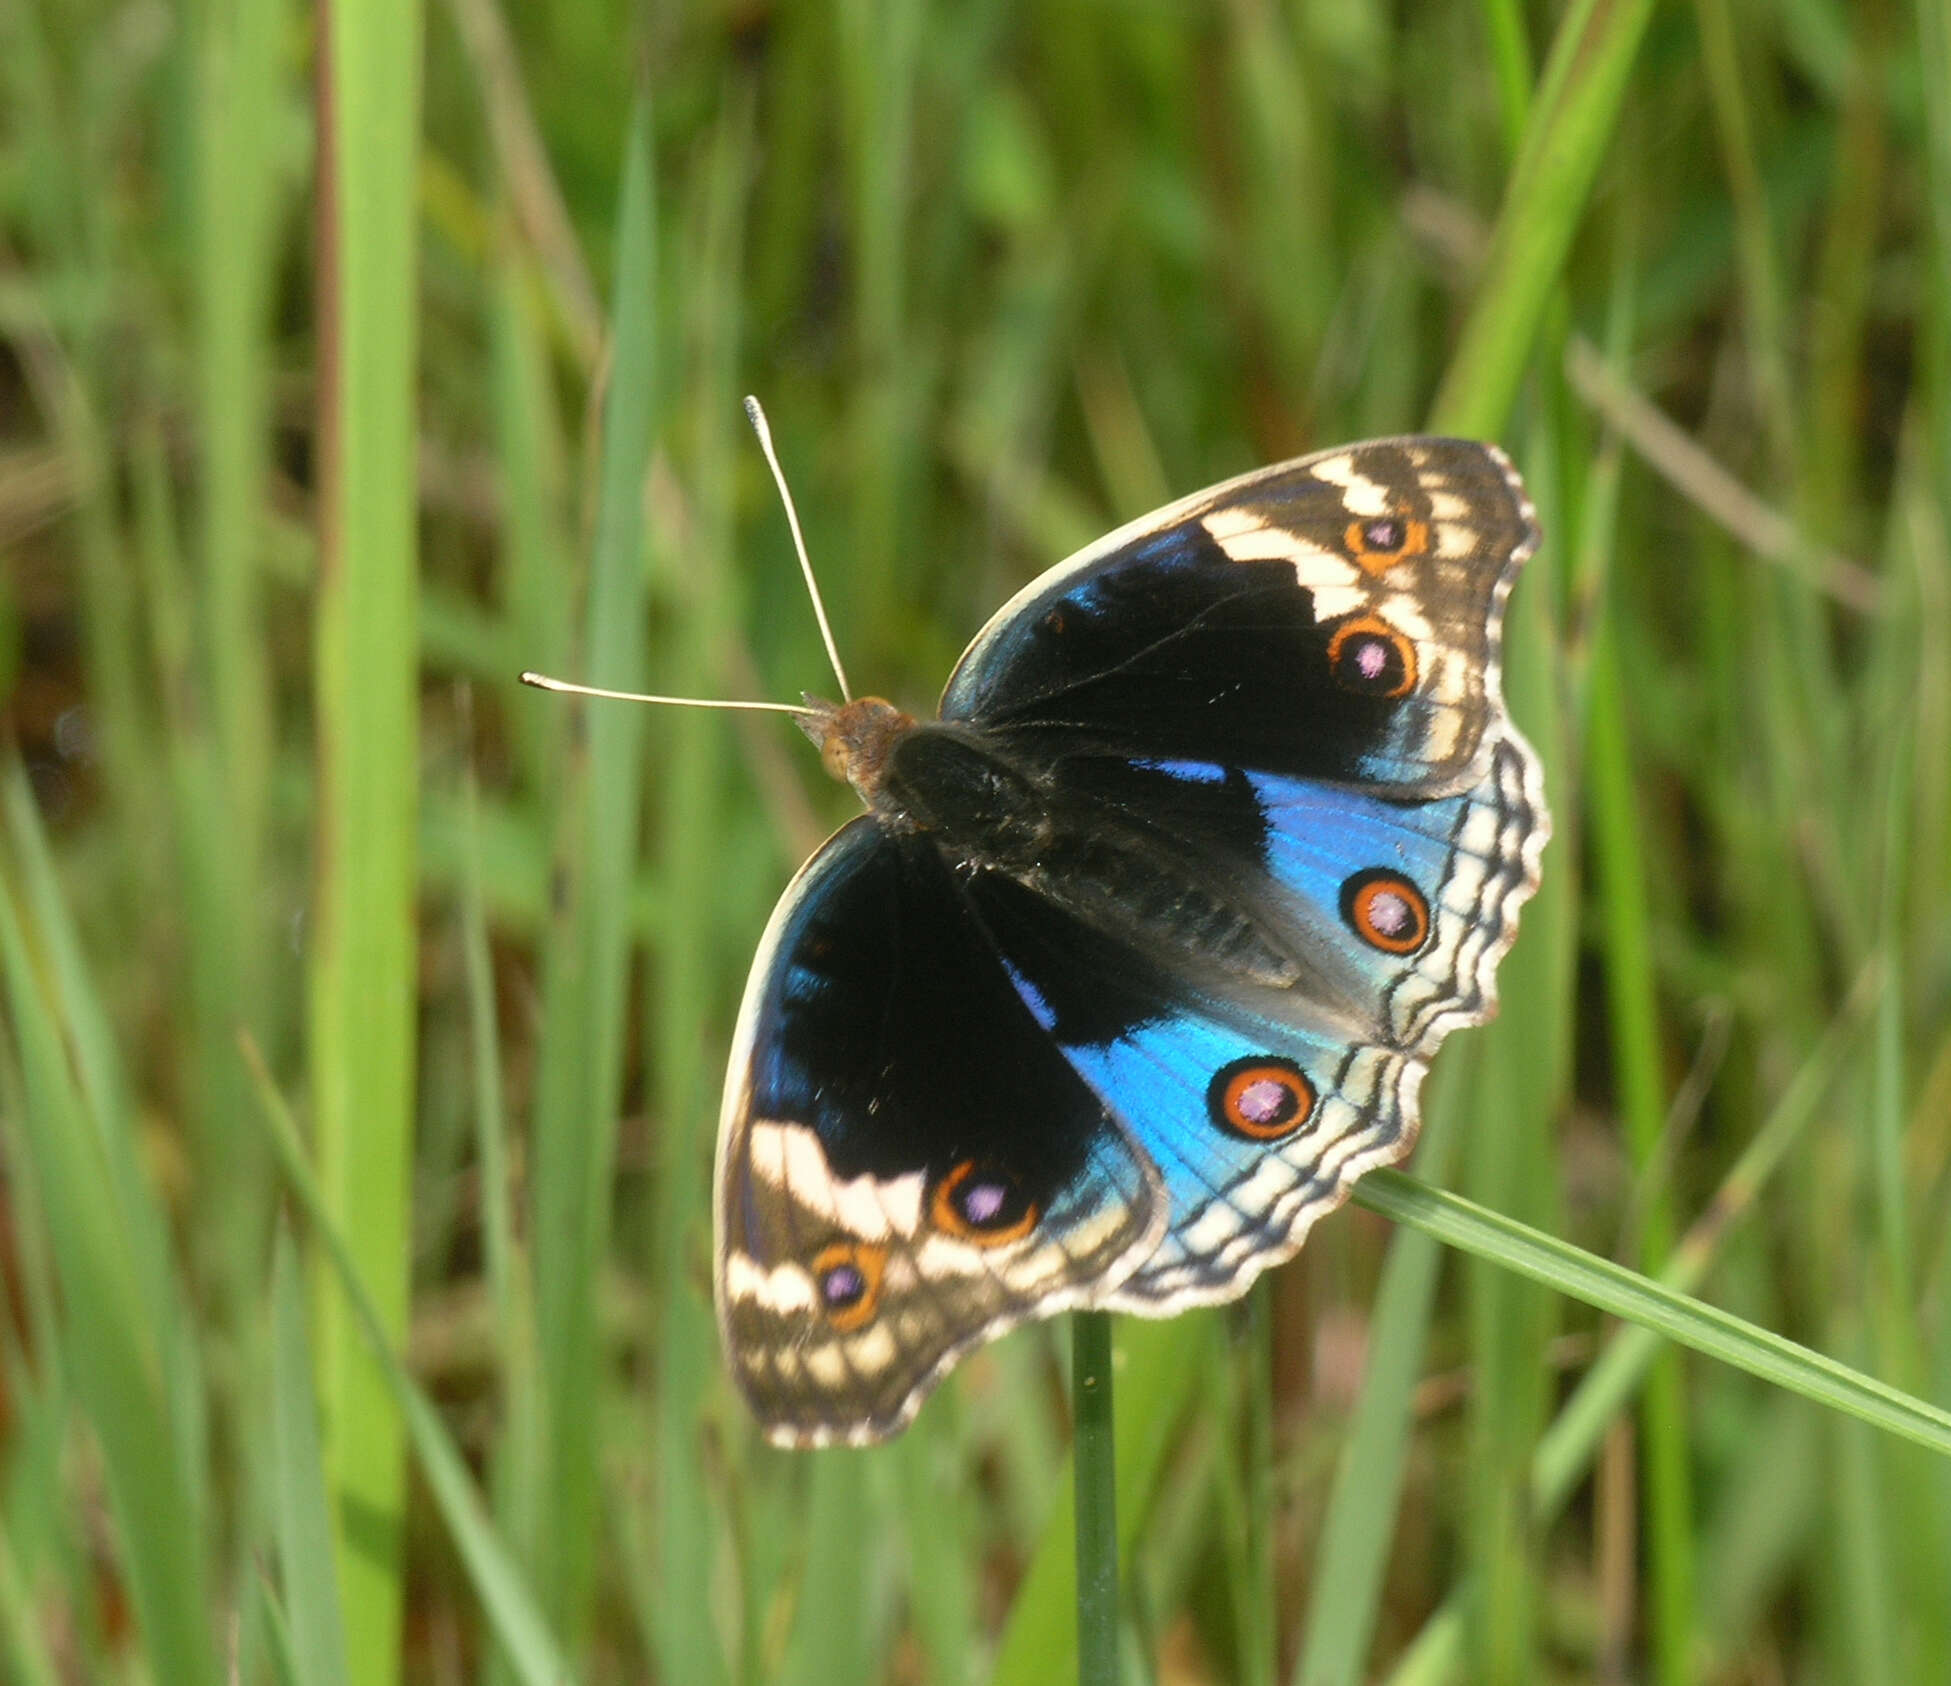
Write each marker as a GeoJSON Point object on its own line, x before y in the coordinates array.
{"type": "Point", "coordinates": [1380, 542]}
{"type": "Point", "coordinates": [1262, 1096]}
{"type": "Point", "coordinates": [1386, 911]}
{"type": "Point", "coordinates": [984, 1204]}
{"type": "Point", "coordinates": [1368, 656]}
{"type": "Point", "coordinates": [847, 1277]}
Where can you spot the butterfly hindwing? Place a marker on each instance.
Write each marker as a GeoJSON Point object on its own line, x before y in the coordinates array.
{"type": "Point", "coordinates": [906, 1165]}
{"type": "Point", "coordinates": [1261, 1104]}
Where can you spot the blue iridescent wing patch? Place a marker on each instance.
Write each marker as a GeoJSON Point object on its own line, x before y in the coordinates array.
{"type": "Point", "coordinates": [1261, 1101]}
{"type": "Point", "coordinates": [1138, 959]}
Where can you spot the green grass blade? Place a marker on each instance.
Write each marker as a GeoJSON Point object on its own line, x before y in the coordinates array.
{"type": "Point", "coordinates": [586, 964]}
{"type": "Point", "coordinates": [1624, 1293]}
{"type": "Point", "coordinates": [1157, 1367]}
{"type": "Point", "coordinates": [365, 696]}
{"type": "Point", "coordinates": [1566, 1450]}
{"type": "Point", "coordinates": [275, 1636]}
{"type": "Point", "coordinates": [108, 1341]}
{"type": "Point", "coordinates": [1354, 1545]}
{"type": "Point", "coordinates": [105, 1101]}
{"type": "Point", "coordinates": [1094, 1461]}
{"type": "Point", "coordinates": [1633, 1017]}
{"type": "Point", "coordinates": [23, 1647]}
{"type": "Point", "coordinates": [242, 164]}
{"type": "Point", "coordinates": [308, 1570]}
{"type": "Point", "coordinates": [688, 957]}
{"type": "Point", "coordinates": [511, 1608]}
{"type": "Point", "coordinates": [1590, 62]}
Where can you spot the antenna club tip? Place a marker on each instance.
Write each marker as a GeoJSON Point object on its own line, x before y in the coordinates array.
{"type": "Point", "coordinates": [530, 677]}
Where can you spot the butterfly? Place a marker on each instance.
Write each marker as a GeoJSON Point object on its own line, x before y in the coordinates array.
{"type": "Point", "coordinates": [1138, 956]}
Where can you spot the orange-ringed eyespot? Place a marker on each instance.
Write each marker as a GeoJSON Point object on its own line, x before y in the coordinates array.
{"type": "Point", "coordinates": [847, 1277]}
{"type": "Point", "coordinates": [1368, 656]}
{"type": "Point", "coordinates": [1382, 541]}
{"type": "Point", "coordinates": [984, 1204]}
{"type": "Point", "coordinates": [1386, 911]}
{"type": "Point", "coordinates": [1262, 1096]}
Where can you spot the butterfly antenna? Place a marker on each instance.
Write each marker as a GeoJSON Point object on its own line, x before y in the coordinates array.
{"type": "Point", "coordinates": [542, 682]}
{"type": "Point", "coordinates": [755, 414]}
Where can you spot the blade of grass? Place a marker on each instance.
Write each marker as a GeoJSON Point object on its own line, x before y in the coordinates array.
{"type": "Point", "coordinates": [276, 1631]}
{"type": "Point", "coordinates": [1571, 126]}
{"type": "Point", "coordinates": [1633, 1018]}
{"type": "Point", "coordinates": [23, 1647]}
{"type": "Point", "coordinates": [1567, 1449]}
{"type": "Point", "coordinates": [105, 1100]}
{"type": "Point", "coordinates": [587, 960]}
{"type": "Point", "coordinates": [1624, 1293]}
{"type": "Point", "coordinates": [518, 1454]}
{"type": "Point", "coordinates": [1094, 1461]}
{"type": "Point", "coordinates": [107, 1339]}
{"type": "Point", "coordinates": [307, 1568]}
{"type": "Point", "coordinates": [539, 613]}
{"type": "Point", "coordinates": [880, 42]}
{"type": "Point", "coordinates": [687, 955]}
{"type": "Point", "coordinates": [1352, 1557]}
{"type": "Point", "coordinates": [835, 1626]}
{"type": "Point", "coordinates": [1761, 280]}
{"type": "Point", "coordinates": [241, 90]}
{"type": "Point", "coordinates": [1568, 132]}
{"type": "Point", "coordinates": [511, 1609]}
{"type": "Point", "coordinates": [1157, 1372]}
{"type": "Point", "coordinates": [361, 937]}
{"type": "Point", "coordinates": [1257, 1608]}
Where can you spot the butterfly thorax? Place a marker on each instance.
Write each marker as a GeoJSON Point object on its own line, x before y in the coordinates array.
{"type": "Point", "coordinates": [855, 738]}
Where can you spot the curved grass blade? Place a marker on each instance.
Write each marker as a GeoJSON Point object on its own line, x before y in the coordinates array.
{"type": "Point", "coordinates": [1638, 1299]}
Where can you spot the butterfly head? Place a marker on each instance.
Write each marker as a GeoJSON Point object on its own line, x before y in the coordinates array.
{"type": "Point", "coordinates": [855, 738]}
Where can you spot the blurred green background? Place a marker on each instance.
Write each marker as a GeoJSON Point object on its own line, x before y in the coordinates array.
{"type": "Point", "coordinates": [353, 358]}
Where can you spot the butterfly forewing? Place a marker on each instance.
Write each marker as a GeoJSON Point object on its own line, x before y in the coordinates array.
{"type": "Point", "coordinates": [1334, 618]}
{"type": "Point", "coordinates": [907, 1164]}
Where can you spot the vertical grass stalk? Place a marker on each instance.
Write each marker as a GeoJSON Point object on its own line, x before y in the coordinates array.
{"type": "Point", "coordinates": [586, 966]}
{"type": "Point", "coordinates": [1097, 1499]}
{"type": "Point", "coordinates": [363, 979]}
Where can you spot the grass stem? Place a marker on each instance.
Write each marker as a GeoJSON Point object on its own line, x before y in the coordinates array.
{"type": "Point", "coordinates": [1097, 1500]}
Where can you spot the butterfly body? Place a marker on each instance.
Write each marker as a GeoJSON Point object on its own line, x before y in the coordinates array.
{"type": "Point", "coordinates": [1138, 956]}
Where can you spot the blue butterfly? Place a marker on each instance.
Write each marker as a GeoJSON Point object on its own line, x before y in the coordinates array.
{"type": "Point", "coordinates": [1139, 954]}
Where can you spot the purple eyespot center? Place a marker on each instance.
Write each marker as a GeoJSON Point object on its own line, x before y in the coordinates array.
{"type": "Point", "coordinates": [1389, 913]}
{"type": "Point", "coordinates": [1369, 657]}
{"type": "Point", "coordinates": [843, 1285]}
{"type": "Point", "coordinates": [1386, 910]}
{"type": "Point", "coordinates": [1383, 535]}
{"type": "Point", "coordinates": [983, 1201]}
{"type": "Point", "coordinates": [1265, 1101]}
{"type": "Point", "coordinates": [1261, 1096]}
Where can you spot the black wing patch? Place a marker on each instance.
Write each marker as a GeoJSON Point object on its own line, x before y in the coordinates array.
{"type": "Point", "coordinates": [1336, 618]}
